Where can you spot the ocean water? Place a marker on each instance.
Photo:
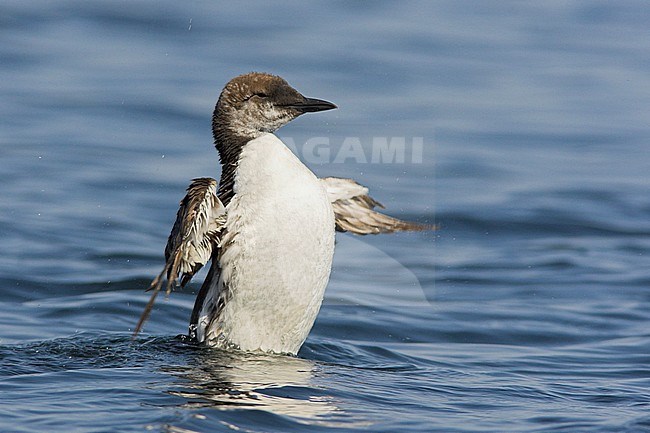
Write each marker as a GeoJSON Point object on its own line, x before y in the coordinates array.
{"type": "Point", "coordinates": [527, 311]}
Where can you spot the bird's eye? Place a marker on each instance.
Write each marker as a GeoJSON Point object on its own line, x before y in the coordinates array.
{"type": "Point", "coordinates": [258, 94]}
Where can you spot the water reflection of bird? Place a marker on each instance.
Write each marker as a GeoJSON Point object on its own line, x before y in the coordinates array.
{"type": "Point", "coordinates": [235, 380]}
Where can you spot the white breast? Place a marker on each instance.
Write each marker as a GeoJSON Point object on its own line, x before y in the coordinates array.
{"type": "Point", "coordinates": [277, 254]}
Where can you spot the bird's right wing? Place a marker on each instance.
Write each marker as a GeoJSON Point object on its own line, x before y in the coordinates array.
{"type": "Point", "coordinates": [195, 235]}
{"type": "Point", "coordinates": [354, 210]}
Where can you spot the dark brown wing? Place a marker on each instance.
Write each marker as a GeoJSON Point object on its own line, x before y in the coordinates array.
{"type": "Point", "coordinates": [196, 233]}
{"type": "Point", "coordinates": [354, 210]}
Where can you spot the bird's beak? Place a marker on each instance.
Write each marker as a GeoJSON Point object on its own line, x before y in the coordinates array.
{"type": "Point", "coordinates": [310, 105]}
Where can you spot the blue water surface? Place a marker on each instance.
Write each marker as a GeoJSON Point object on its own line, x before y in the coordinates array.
{"type": "Point", "coordinates": [527, 311]}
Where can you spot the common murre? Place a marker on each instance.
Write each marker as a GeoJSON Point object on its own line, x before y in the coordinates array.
{"type": "Point", "coordinates": [268, 226]}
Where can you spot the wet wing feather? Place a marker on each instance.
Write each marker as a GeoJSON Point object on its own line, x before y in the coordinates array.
{"type": "Point", "coordinates": [354, 210]}
{"type": "Point", "coordinates": [194, 236]}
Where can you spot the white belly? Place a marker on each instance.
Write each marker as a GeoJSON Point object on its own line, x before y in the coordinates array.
{"type": "Point", "coordinates": [277, 255]}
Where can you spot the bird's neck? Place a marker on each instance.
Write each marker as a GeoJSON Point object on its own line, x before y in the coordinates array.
{"type": "Point", "coordinates": [229, 144]}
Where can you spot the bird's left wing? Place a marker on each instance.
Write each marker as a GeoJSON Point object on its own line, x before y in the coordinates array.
{"type": "Point", "coordinates": [196, 233]}
{"type": "Point", "coordinates": [354, 210]}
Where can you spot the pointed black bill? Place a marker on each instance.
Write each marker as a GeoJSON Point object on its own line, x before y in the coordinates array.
{"type": "Point", "coordinates": [311, 105]}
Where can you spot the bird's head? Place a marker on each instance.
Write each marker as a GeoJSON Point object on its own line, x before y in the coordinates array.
{"type": "Point", "coordinates": [255, 103]}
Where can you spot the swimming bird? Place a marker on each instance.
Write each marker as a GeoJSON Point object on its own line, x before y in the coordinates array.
{"type": "Point", "coordinates": [267, 226]}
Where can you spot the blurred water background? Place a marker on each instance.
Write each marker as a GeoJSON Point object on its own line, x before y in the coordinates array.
{"type": "Point", "coordinates": [528, 310]}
